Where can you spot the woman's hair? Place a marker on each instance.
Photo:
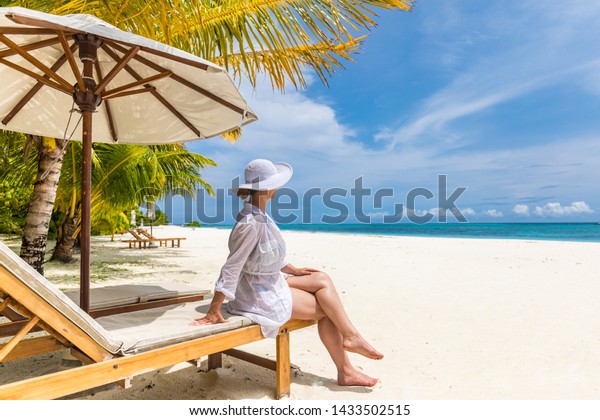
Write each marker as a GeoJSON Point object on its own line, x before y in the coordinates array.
{"type": "Point", "coordinates": [243, 193]}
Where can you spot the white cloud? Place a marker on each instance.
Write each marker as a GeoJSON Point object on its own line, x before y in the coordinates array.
{"type": "Point", "coordinates": [557, 210]}
{"type": "Point", "coordinates": [468, 211]}
{"type": "Point", "coordinates": [492, 213]}
{"type": "Point", "coordinates": [521, 209]}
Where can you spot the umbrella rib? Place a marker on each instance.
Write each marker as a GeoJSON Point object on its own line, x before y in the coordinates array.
{"type": "Point", "coordinates": [25, 31]}
{"type": "Point", "coordinates": [36, 88]}
{"type": "Point", "coordinates": [71, 59]}
{"type": "Point", "coordinates": [183, 81]}
{"type": "Point", "coordinates": [116, 69]}
{"type": "Point", "coordinates": [159, 76]}
{"type": "Point", "coordinates": [41, 66]}
{"type": "Point", "coordinates": [174, 111]}
{"type": "Point", "coordinates": [40, 78]}
{"type": "Point", "coordinates": [109, 116]}
{"type": "Point", "coordinates": [157, 95]}
{"type": "Point", "coordinates": [29, 47]}
{"type": "Point", "coordinates": [39, 23]}
{"type": "Point", "coordinates": [129, 93]}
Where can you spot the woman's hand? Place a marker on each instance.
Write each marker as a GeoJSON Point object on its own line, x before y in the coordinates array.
{"type": "Point", "coordinates": [294, 271]}
{"type": "Point", "coordinates": [211, 317]}
{"type": "Point", "coordinates": [304, 271]}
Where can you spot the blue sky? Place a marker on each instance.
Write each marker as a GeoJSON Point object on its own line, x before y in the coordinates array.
{"type": "Point", "coordinates": [502, 97]}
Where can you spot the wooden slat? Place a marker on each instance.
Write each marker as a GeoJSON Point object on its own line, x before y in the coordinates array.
{"type": "Point", "coordinates": [8, 347]}
{"type": "Point", "coordinates": [42, 326]}
{"type": "Point", "coordinates": [82, 357]}
{"type": "Point", "coordinates": [8, 329]}
{"type": "Point", "coordinates": [33, 347]}
{"type": "Point", "coordinates": [4, 303]}
{"type": "Point", "coordinates": [252, 358]}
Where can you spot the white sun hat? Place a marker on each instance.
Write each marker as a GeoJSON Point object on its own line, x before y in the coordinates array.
{"type": "Point", "coordinates": [264, 175]}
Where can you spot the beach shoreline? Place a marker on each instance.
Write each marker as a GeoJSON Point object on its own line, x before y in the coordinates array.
{"type": "Point", "coordinates": [456, 318]}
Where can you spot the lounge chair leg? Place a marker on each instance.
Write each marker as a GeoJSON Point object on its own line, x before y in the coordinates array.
{"type": "Point", "coordinates": [215, 361]}
{"type": "Point", "coordinates": [283, 365]}
{"type": "Point", "coordinates": [125, 383]}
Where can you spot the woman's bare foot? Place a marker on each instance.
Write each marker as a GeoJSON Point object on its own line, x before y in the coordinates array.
{"type": "Point", "coordinates": [359, 345]}
{"type": "Point", "coordinates": [355, 378]}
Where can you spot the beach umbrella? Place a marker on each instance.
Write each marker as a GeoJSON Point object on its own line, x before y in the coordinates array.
{"type": "Point", "coordinates": [127, 88]}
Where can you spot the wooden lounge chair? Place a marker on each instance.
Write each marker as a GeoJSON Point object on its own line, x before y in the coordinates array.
{"type": "Point", "coordinates": [118, 347]}
{"type": "Point", "coordinates": [138, 241]}
{"type": "Point", "coordinates": [175, 242]}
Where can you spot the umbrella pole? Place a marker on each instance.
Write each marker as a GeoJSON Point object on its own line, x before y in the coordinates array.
{"type": "Point", "coordinates": [87, 101]}
{"type": "Point", "coordinates": [86, 225]}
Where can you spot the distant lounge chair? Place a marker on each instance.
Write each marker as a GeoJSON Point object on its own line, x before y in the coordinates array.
{"type": "Point", "coordinates": [118, 347]}
{"type": "Point", "coordinates": [143, 238]}
{"type": "Point", "coordinates": [161, 241]}
{"type": "Point", "coordinates": [138, 241]}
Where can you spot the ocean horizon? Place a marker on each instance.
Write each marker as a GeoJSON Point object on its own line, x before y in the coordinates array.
{"type": "Point", "coordinates": [548, 231]}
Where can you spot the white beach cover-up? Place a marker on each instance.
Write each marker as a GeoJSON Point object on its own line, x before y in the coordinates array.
{"type": "Point", "coordinates": [251, 278]}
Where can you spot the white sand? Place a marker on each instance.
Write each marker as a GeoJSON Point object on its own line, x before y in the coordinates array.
{"type": "Point", "coordinates": [455, 318]}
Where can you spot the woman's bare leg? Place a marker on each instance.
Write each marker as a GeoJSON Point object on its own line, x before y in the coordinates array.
{"type": "Point", "coordinates": [305, 306]}
{"type": "Point", "coordinates": [320, 285]}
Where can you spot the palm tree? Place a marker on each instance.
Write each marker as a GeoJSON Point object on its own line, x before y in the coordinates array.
{"type": "Point", "coordinates": [282, 39]}
{"type": "Point", "coordinates": [35, 234]}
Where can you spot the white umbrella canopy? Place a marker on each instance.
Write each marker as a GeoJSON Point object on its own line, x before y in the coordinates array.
{"type": "Point", "coordinates": [128, 89]}
{"type": "Point", "coordinates": [173, 96]}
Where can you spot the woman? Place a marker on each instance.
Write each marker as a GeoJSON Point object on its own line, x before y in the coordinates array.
{"type": "Point", "coordinates": [259, 284]}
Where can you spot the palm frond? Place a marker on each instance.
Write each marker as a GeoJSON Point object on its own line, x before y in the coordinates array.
{"type": "Point", "coordinates": [239, 33]}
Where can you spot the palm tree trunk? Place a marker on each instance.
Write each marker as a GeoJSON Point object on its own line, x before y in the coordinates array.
{"type": "Point", "coordinates": [35, 235]}
{"type": "Point", "coordinates": [63, 251]}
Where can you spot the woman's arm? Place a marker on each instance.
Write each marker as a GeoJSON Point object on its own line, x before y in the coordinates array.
{"type": "Point", "coordinates": [242, 241]}
{"type": "Point", "coordinates": [293, 271]}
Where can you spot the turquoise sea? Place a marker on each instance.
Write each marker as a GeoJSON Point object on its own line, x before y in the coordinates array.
{"type": "Point", "coordinates": [579, 232]}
